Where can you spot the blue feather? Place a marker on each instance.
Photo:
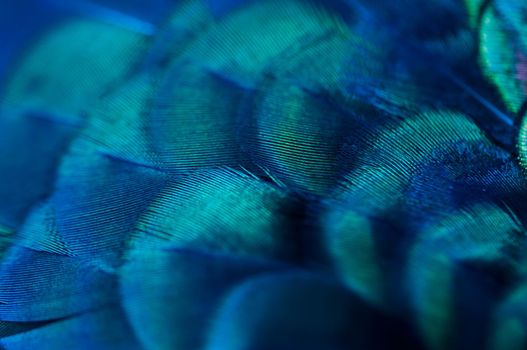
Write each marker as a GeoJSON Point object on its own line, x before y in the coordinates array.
{"type": "Point", "coordinates": [264, 174]}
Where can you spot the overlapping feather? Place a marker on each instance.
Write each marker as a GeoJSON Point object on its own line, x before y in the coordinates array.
{"type": "Point", "coordinates": [266, 175]}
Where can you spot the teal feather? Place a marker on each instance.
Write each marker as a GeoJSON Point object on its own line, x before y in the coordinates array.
{"type": "Point", "coordinates": [40, 84]}
{"type": "Point", "coordinates": [171, 294]}
{"type": "Point", "coordinates": [193, 120]}
{"type": "Point", "coordinates": [267, 174]}
{"type": "Point", "coordinates": [97, 201]}
{"type": "Point", "coordinates": [203, 212]}
{"type": "Point", "coordinates": [32, 290]}
{"type": "Point", "coordinates": [448, 257]}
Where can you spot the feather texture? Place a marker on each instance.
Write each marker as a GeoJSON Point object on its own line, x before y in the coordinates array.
{"type": "Point", "coordinates": [263, 174]}
{"type": "Point", "coordinates": [39, 84]}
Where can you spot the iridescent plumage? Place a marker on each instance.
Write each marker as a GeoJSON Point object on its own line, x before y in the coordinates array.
{"type": "Point", "coordinates": [265, 174]}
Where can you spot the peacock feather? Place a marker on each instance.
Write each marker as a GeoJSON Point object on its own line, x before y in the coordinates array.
{"type": "Point", "coordinates": [263, 174]}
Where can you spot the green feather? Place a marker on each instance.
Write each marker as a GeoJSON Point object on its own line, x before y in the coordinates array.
{"type": "Point", "coordinates": [71, 66]}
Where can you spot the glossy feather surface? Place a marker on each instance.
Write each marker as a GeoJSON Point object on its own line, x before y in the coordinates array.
{"type": "Point", "coordinates": [263, 174]}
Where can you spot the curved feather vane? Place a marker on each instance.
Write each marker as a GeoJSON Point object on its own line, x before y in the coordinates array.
{"type": "Point", "coordinates": [204, 213]}
{"type": "Point", "coordinates": [185, 23]}
{"type": "Point", "coordinates": [349, 239]}
{"type": "Point", "coordinates": [170, 294]}
{"type": "Point", "coordinates": [263, 174]}
{"type": "Point", "coordinates": [284, 311]}
{"type": "Point", "coordinates": [291, 138]}
{"type": "Point", "coordinates": [194, 120]}
{"type": "Point", "coordinates": [40, 232]}
{"type": "Point", "coordinates": [407, 176]}
{"type": "Point", "coordinates": [98, 195]}
{"type": "Point", "coordinates": [503, 52]}
{"type": "Point", "coordinates": [389, 169]}
{"type": "Point", "coordinates": [475, 253]}
{"type": "Point", "coordinates": [40, 84]}
{"type": "Point", "coordinates": [118, 124]}
{"type": "Point", "coordinates": [32, 290]}
{"type": "Point", "coordinates": [304, 114]}
{"type": "Point", "coordinates": [283, 25]}
{"type": "Point", "coordinates": [171, 125]}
